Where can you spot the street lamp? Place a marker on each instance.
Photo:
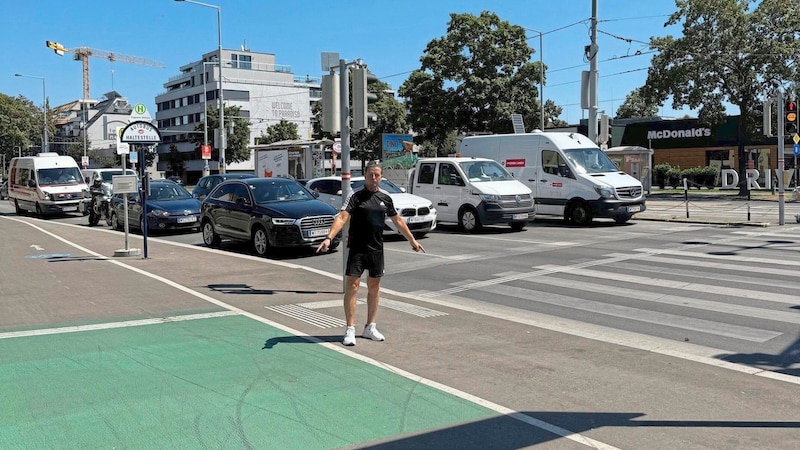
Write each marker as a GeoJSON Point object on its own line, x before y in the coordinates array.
{"type": "Point", "coordinates": [46, 142]}
{"type": "Point", "coordinates": [541, 84]}
{"type": "Point", "coordinates": [223, 141]}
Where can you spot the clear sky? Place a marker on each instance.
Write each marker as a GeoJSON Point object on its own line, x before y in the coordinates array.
{"type": "Point", "coordinates": [390, 36]}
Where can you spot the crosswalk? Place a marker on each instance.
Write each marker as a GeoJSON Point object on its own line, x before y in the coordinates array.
{"type": "Point", "coordinates": [738, 290]}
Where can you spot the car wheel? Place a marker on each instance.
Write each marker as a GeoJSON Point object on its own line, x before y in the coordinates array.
{"type": "Point", "coordinates": [469, 220]}
{"type": "Point", "coordinates": [39, 210]}
{"type": "Point", "coordinates": [114, 222]}
{"type": "Point", "coordinates": [518, 226]}
{"type": "Point", "coordinates": [580, 214]}
{"type": "Point", "coordinates": [17, 208]}
{"type": "Point", "coordinates": [260, 241]}
{"type": "Point", "coordinates": [210, 237]}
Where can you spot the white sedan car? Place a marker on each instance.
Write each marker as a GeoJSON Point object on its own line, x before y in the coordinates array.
{"type": "Point", "coordinates": [418, 212]}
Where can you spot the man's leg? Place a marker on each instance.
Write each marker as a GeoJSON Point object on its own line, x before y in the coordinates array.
{"type": "Point", "coordinates": [351, 289]}
{"type": "Point", "coordinates": [373, 298]}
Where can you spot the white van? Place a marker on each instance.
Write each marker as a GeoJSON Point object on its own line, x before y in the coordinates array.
{"type": "Point", "coordinates": [472, 192]}
{"type": "Point", "coordinates": [569, 175]}
{"type": "Point", "coordinates": [47, 183]}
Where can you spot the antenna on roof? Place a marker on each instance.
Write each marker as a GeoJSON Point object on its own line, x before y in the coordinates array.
{"type": "Point", "coordinates": [244, 46]}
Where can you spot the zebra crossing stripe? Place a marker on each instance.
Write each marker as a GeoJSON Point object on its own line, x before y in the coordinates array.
{"type": "Point", "coordinates": [305, 312]}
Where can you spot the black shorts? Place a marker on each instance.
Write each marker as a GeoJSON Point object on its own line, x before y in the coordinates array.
{"type": "Point", "coordinates": [358, 262]}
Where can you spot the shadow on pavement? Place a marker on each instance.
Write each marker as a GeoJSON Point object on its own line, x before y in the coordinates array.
{"type": "Point", "coordinates": [246, 289]}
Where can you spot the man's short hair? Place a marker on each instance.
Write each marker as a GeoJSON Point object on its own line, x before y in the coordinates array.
{"type": "Point", "coordinates": [372, 164]}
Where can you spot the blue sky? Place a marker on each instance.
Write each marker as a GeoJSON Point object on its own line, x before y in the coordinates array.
{"type": "Point", "coordinates": [390, 36]}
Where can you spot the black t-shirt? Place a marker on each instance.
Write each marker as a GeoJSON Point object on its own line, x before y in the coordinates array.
{"type": "Point", "coordinates": [368, 211]}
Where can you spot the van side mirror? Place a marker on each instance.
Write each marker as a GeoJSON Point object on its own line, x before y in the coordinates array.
{"type": "Point", "coordinates": [31, 183]}
{"type": "Point", "coordinates": [457, 180]}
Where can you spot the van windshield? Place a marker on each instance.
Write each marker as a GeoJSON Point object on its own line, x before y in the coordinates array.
{"type": "Point", "coordinates": [590, 160]}
{"type": "Point", "coordinates": [478, 171]}
{"type": "Point", "coordinates": [64, 175]}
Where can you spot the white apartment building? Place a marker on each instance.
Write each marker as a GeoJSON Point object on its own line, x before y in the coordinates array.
{"type": "Point", "coordinates": [265, 91]}
{"type": "Point", "coordinates": [100, 119]}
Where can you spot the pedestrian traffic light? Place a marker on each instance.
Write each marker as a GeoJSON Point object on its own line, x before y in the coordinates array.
{"type": "Point", "coordinates": [361, 96]}
{"type": "Point", "coordinates": [790, 117]}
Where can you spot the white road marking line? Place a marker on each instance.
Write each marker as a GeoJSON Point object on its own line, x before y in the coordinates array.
{"type": "Point", "coordinates": [110, 325]}
{"type": "Point", "coordinates": [681, 285]}
{"type": "Point", "coordinates": [309, 316]}
{"type": "Point", "coordinates": [639, 315]}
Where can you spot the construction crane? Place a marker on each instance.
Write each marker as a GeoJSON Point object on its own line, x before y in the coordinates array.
{"type": "Point", "coordinates": [83, 53]}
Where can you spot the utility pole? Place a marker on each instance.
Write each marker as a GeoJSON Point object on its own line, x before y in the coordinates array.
{"type": "Point", "coordinates": [593, 77]}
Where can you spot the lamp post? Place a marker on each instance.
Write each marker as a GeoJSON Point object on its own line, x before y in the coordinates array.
{"type": "Point", "coordinates": [46, 142]}
{"type": "Point", "coordinates": [541, 84]}
{"type": "Point", "coordinates": [223, 141]}
{"type": "Point", "coordinates": [206, 169]}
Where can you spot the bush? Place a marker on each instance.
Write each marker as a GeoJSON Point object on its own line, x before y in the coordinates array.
{"type": "Point", "coordinates": [674, 177]}
{"type": "Point", "coordinates": [660, 174]}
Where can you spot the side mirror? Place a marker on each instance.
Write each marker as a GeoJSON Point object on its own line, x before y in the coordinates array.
{"type": "Point", "coordinates": [314, 194]}
{"type": "Point", "coordinates": [31, 183]}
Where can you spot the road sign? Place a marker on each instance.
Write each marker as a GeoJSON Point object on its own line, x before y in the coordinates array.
{"type": "Point", "coordinates": [796, 138]}
{"type": "Point", "coordinates": [141, 133]}
{"type": "Point", "coordinates": [337, 147]}
{"type": "Point", "coordinates": [140, 114]}
{"type": "Point", "coordinates": [797, 149]}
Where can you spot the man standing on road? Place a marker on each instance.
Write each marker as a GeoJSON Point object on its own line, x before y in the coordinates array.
{"type": "Point", "coordinates": [366, 209]}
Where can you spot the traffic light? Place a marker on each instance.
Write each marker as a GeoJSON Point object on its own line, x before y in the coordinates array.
{"type": "Point", "coordinates": [790, 118]}
{"type": "Point", "coordinates": [331, 114]}
{"type": "Point", "coordinates": [766, 118]}
{"type": "Point", "coordinates": [361, 96]}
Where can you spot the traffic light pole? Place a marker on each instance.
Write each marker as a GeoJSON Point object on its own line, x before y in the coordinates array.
{"type": "Point", "coordinates": [344, 109]}
{"type": "Point", "coordinates": [780, 159]}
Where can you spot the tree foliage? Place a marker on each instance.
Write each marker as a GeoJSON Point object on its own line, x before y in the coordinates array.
{"type": "Point", "coordinates": [281, 131]}
{"type": "Point", "coordinates": [237, 149]}
{"type": "Point", "coordinates": [473, 79]}
{"type": "Point", "coordinates": [21, 126]}
{"type": "Point", "coordinates": [735, 51]}
{"type": "Point", "coordinates": [636, 105]}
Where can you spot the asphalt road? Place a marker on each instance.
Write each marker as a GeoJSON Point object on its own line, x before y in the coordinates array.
{"type": "Point", "coordinates": [649, 335]}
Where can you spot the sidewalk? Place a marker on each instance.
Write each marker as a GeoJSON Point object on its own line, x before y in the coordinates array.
{"type": "Point", "coordinates": [216, 364]}
{"type": "Point", "coordinates": [720, 207]}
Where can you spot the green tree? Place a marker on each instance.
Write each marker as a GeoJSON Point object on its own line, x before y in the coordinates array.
{"type": "Point", "coordinates": [21, 126]}
{"type": "Point", "coordinates": [281, 131]}
{"type": "Point", "coordinates": [176, 161]}
{"type": "Point", "coordinates": [473, 79]}
{"type": "Point", "coordinates": [635, 105]}
{"type": "Point", "coordinates": [237, 149]}
{"type": "Point", "coordinates": [731, 51]}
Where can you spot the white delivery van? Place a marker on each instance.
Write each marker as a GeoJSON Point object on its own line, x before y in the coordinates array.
{"type": "Point", "coordinates": [472, 192]}
{"type": "Point", "coordinates": [47, 183]}
{"type": "Point", "coordinates": [569, 175]}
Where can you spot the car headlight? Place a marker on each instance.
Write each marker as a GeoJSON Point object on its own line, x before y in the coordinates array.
{"type": "Point", "coordinates": [158, 212]}
{"type": "Point", "coordinates": [605, 191]}
{"type": "Point", "coordinates": [282, 221]}
{"type": "Point", "coordinates": [491, 198]}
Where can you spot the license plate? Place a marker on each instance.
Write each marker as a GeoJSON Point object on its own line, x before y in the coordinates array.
{"type": "Point", "coordinates": [319, 232]}
{"type": "Point", "coordinates": [520, 217]}
{"type": "Point", "coordinates": [636, 208]}
{"type": "Point", "coordinates": [416, 219]}
{"type": "Point", "coordinates": [69, 208]}
{"type": "Point", "coordinates": [187, 219]}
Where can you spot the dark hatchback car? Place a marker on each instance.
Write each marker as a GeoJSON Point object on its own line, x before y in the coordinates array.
{"type": "Point", "coordinates": [269, 212]}
{"type": "Point", "coordinates": [169, 207]}
{"type": "Point", "coordinates": [209, 182]}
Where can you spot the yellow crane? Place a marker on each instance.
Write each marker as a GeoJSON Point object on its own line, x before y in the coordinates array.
{"type": "Point", "coordinates": [83, 53]}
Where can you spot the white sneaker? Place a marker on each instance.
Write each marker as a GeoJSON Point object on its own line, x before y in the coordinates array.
{"type": "Point", "coordinates": [349, 336]}
{"type": "Point", "coordinates": [371, 332]}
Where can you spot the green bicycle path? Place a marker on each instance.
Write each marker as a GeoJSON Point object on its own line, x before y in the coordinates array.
{"type": "Point", "coordinates": [223, 382]}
